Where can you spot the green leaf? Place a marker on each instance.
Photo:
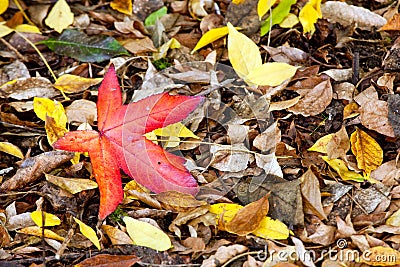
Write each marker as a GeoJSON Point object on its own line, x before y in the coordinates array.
{"type": "Point", "coordinates": [152, 18]}
{"type": "Point", "coordinates": [279, 13]}
{"type": "Point", "coordinates": [85, 48]}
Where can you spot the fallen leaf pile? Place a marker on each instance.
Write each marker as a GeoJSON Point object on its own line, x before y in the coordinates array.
{"type": "Point", "coordinates": [199, 133]}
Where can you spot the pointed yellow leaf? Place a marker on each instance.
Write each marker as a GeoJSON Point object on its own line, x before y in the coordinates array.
{"type": "Point", "coordinates": [27, 28]}
{"type": "Point", "coordinates": [309, 15]}
{"type": "Point", "coordinates": [88, 232]}
{"type": "Point", "coordinates": [45, 107]}
{"type": "Point", "coordinates": [225, 210]}
{"type": "Point", "coordinates": [60, 16]}
{"type": "Point", "coordinates": [11, 149]}
{"type": "Point", "coordinates": [123, 6]}
{"type": "Point", "coordinates": [37, 231]}
{"type": "Point", "coordinates": [163, 50]}
{"type": "Point", "coordinates": [72, 185]}
{"type": "Point", "coordinates": [394, 219]}
{"type": "Point", "coordinates": [72, 83]}
{"type": "Point", "coordinates": [146, 235]}
{"type": "Point", "coordinates": [173, 132]}
{"type": "Point", "coordinates": [4, 29]}
{"type": "Point", "coordinates": [320, 145]}
{"type": "Point", "coordinates": [49, 219]}
{"type": "Point", "coordinates": [340, 167]}
{"type": "Point", "coordinates": [271, 74]}
{"type": "Point", "coordinates": [3, 6]}
{"type": "Point", "coordinates": [243, 52]}
{"type": "Point", "coordinates": [368, 153]}
{"type": "Point", "coordinates": [264, 6]}
{"type": "Point", "coordinates": [272, 229]}
{"type": "Point", "coordinates": [211, 36]}
{"type": "Point", "coordinates": [289, 21]}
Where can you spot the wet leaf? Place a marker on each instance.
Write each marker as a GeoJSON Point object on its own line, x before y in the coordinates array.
{"type": "Point", "coordinates": [11, 149]}
{"type": "Point", "coordinates": [88, 232]}
{"type": "Point", "coordinates": [148, 236]}
{"type": "Point", "coordinates": [49, 219]}
{"type": "Point", "coordinates": [75, 44]}
{"type": "Point", "coordinates": [367, 151]}
{"type": "Point", "coordinates": [72, 185]}
{"type": "Point", "coordinates": [60, 16]}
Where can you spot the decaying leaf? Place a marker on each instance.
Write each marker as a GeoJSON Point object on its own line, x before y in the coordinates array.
{"type": "Point", "coordinates": [311, 194]}
{"type": "Point", "coordinates": [367, 151]}
{"type": "Point", "coordinates": [177, 201]}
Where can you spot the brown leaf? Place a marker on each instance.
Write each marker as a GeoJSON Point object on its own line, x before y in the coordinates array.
{"type": "Point", "coordinates": [314, 101]}
{"type": "Point", "coordinates": [32, 168]}
{"type": "Point", "coordinates": [345, 228]}
{"type": "Point", "coordinates": [338, 146]}
{"type": "Point", "coordinates": [249, 217]}
{"type": "Point", "coordinates": [223, 254]}
{"type": "Point", "coordinates": [106, 260]}
{"type": "Point", "coordinates": [139, 46]}
{"type": "Point", "coordinates": [195, 243]}
{"type": "Point", "coordinates": [393, 24]}
{"type": "Point", "coordinates": [81, 111]}
{"type": "Point", "coordinates": [26, 88]}
{"type": "Point", "coordinates": [177, 201]}
{"type": "Point", "coordinates": [267, 140]}
{"type": "Point", "coordinates": [116, 236]}
{"type": "Point", "coordinates": [311, 194]}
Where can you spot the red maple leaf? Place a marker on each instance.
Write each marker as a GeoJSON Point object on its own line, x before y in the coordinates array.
{"type": "Point", "coordinates": [120, 143]}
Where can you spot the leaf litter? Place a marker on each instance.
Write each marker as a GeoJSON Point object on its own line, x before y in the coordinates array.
{"type": "Point", "coordinates": [297, 142]}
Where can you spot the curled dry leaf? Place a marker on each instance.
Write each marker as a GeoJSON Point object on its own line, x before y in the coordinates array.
{"type": "Point", "coordinates": [347, 15]}
{"type": "Point", "coordinates": [177, 201]}
{"type": "Point", "coordinates": [32, 168]}
{"type": "Point", "coordinates": [223, 254]}
{"type": "Point", "coordinates": [312, 195]}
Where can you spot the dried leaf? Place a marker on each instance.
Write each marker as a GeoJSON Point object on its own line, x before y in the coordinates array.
{"type": "Point", "coordinates": [88, 232]}
{"type": "Point", "coordinates": [248, 218]}
{"type": "Point", "coordinates": [37, 231]}
{"type": "Point", "coordinates": [377, 254]}
{"type": "Point", "coordinates": [320, 144]}
{"type": "Point", "coordinates": [116, 236]}
{"type": "Point", "coordinates": [347, 15]}
{"type": "Point", "coordinates": [394, 219]}
{"type": "Point", "coordinates": [177, 201]}
{"type": "Point", "coordinates": [311, 194]}
{"type": "Point", "coordinates": [69, 84]}
{"type": "Point", "coordinates": [393, 24]}
{"type": "Point", "coordinates": [272, 229]}
{"type": "Point", "coordinates": [340, 167]}
{"type": "Point", "coordinates": [223, 254]}
{"type": "Point", "coordinates": [60, 16]}
{"type": "Point", "coordinates": [367, 151]}
{"type": "Point", "coordinates": [123, 6]}
{"type": "Point", "coordinates": [148, 236]}
{"type": "Point", "coordinates": [72, 185]}
{"type": "Point", "coordinates": [338, 146]}
{"type": "Point", "coordinates": [106, 260]}
{"type": "Point", "coordinates": [49, 219]}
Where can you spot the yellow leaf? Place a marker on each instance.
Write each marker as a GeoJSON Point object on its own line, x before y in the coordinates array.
{"type": "Point", "coordinates": [123, 6]}
{"type": "Point", "coordinates": [237, 2]}
{"type": "Point", "coordinates": [146, 235]}
{"type": "Point", "coordinates": [350, 110]}
{"type": "Point", "coordinates": [133, 185]}
{"type": "Point", "coordinates": [340, 167]}
{"type": "Point", "coordinates": [89, 233]}
{"type": "Point", "coordinates": [211, 36]}
{"type": "Point", "coordinates": [272, 229]}
{"type": "Point", "coordinates": [72, 185]}
{"type": "Point", "coordinates": [289, 21]}
{"type": "Point", "coordinates": [271, 74]}
{"type": "Point", "coordinates": [380, 256]}
{"type": "Point", "coordinates": [11, 149]}
{"type": "Point", "coordinates": [368, 153]}
{"type": "Point", "coordinates": [37, 231]}
{"type": "Point", "coordinates": [54, 131]}
{"type": "Point", "coordinates": [173, 132]}
{"type": "Point", "coordinates": [60, 16]}
{"type": "Point", "coordinates": [309, 15]}
{"type": "Point", "coordinates": [224, 212]}
{"type": "Point", "coordinates": [163, 50]}
{"type": "Point", "coordinates": [243, 53]}
{"type": "Point", "coordinates": [72, 83]}
{"type": "Point", "coordinates": [320, 145]}
{"type": "Point", "coordinates": [394, 219]}
{"type": "Point", "coordinates": [49, 219]}
{"type": "Point", "coordinates": [4, 30]}
{"type": "Point", "coordinates": [27, 28]}
{"type": "Point", "coordinates": [264, 6]}
{"type": "Point", "coordinates": [45, 107]}
{"type": "Point", "coordinates": [3, 6]}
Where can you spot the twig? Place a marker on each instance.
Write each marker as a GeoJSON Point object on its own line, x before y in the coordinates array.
{"type": "Point", "coordinates": [19, 55]}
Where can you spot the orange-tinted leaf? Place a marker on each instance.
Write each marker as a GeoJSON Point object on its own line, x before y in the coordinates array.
{"type": "Point", "coordinates": [105, 260]}
{"type": "Point", "coordinates": [249, 217]}
{"type": "Point", "coordinates": [119, 143]}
